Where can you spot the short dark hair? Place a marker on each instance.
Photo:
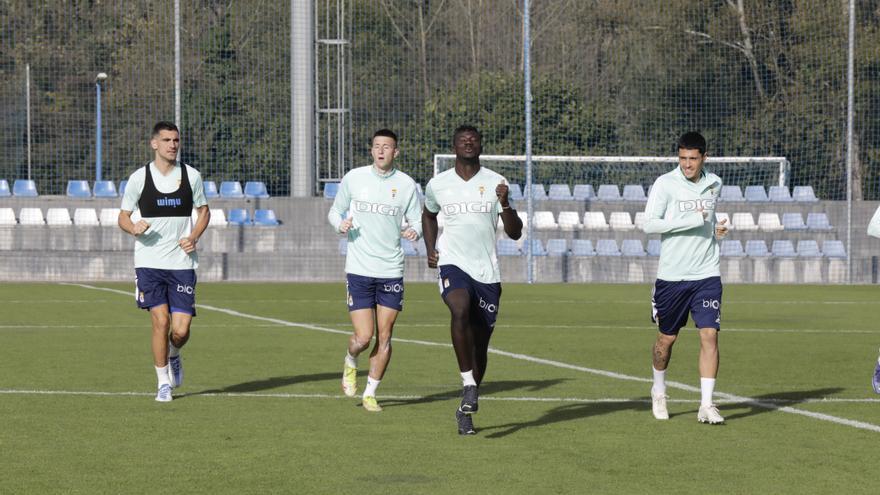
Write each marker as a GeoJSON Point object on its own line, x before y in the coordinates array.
{"type": "Point", "coordinates": [692, 141]}
{"type": "Point", "coordinates": [164, 125]}
{"type": "Point", "coordinates": [384, 133]}
{"type": "Point", "coordinates": [466, 128]}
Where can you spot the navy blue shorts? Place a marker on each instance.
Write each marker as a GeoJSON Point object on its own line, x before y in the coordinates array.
{"type": "Point", "coordinates": [176, 288]}
{"type": "Point", "coordinates": [672, 301]}
{"type": "Point", "coordinates": [485, 298]}
{"type": "Point", "coordinates": [368, 292]}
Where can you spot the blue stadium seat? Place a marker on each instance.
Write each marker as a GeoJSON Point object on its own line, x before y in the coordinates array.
{"type": "Point", "coordinates": [582, 247]}
{"type": "Point", "coordinates": [515, 192]}
{"type": "Point", "coordinates": [784, 248]}
{"type": "Point", "coordinates": [632, 247]}
{"type": "Point", "coordinates": [409, 247]}
{"type": "Point", "coordinates": [818, 221]}
{"type": "Point", "coordinates": [4, 189]}
{"type": "Point", "coordinates": [343, 246]}
{"type": "Point", "coordinates": [122, 184]}
{"type": "Point", "coordinates": [653, 247]}
{"type": "Point", "coordinates": [105, 189]}
{"type": "Point", "coordinates": [808, 249]}
{"type": "Point", "coordinates": [804, 194]}
{"type": "Point", "coordinates": [265, 218]}
{"type": "Point", "coordinates": [211, 191]}
{"type": "Point", "coordinates": [538, 192]}
{"type": "Point", "coordinates": [507, 247]}
{"type": "Point", "coordinates": [833, 249]}
{"type": "Point", "coordinates": [78, 189]}
{"type": "Point", "coordinates": [607, 247]}
{"type": "Point", "coordinates": [559, 192]}
{"type": "Point", "coordinates": [584, 192]}
{"type": "Point", "coordinates": [231, 189]}
{"type": "Point", "coordinates": [255, 189]}
{"type": "Point", "coordinates": [793, 221]}
{"type": "Point", "coordinates": [238, 216]}
{"type": "Point", "coordinates": [24, 188]}
{"type": "Point", "coordinates": [634, 192]}
{"type": "Point", "coordinates": [755, 194]}
{"type": "Point", "coordinates": [537, 248]}
{"type": "Point", "coordinates": [330, 189]}
{"type": "Point", "coordinates": [731, 193]}
{"type": "Point", "coordinates": [608, 192]}
{"type": "Point", "coordinates": [557, 247]}
{"type": "Point", "coordinates": [732, 248]}
{"type": "Point", "coordinates": [780, 194]}
{"type": "Point", "coordinates": [757, 248]}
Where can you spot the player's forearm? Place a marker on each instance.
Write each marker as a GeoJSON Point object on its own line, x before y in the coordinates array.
{"type": "Point", "coordinates": [670, 226]}
{"type": "Point", "coordinates": [334, 217]}
{"type": "Point", "coordinates": [429, 231]}
{"type": "Point", "coordinates": [125, 223]}
{"type": "Point", "coordinates": [512, 223]}
{"type": "Point", "coordinates": [203, 218]}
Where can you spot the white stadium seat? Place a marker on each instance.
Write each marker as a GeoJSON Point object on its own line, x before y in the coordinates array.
{"type": "Point", "coordinates": [744, 221]}
{"type": "Point", "coordinates": [769, 222]}
{"type": "Point", "coordinates": [31, 216]}
{"type": "Point", "coordinates": [7, 216]}
{"type": "Point", "coordinates": [58, 216]}
{"type": "Point", "coordinates": [109, 217]}
{"type": "Point", "coordinates": [85, 216]}
{"type": "Point", "coordinates": [569, 220]}
{"type": "Point", "coordinates": [620, 220]}
{"type": "Point", "coordinates": [218, 217]}
{"type": "Point", "coordinates": [545, 220]}
{"type": "Point", "coordinates": [595, 220]}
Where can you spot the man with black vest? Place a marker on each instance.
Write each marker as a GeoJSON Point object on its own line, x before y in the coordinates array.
{"type": "Point", "coordinates": [165, 193]}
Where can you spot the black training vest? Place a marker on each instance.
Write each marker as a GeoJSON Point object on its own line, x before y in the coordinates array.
{"type": "Point", "coordinates": [154, 204]}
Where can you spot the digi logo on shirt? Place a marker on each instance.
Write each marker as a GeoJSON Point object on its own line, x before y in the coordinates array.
{"type": "Point", "coordinates": [696, 205]}
{"type": "Point", "coordinates": [468, 207]}
{"type": "Point", "coordinates": [377, 208]}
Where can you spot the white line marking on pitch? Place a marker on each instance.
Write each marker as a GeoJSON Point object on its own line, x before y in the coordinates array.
{"type": "Point", "coordinates": [549, 362]}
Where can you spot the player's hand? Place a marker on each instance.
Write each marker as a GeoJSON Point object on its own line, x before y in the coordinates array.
{"type": "Point", "coordinates": [721, 228]}
{"type": "Point", "coordinates": [345, 225]}
{"type": "Point", "coordinates": [502, 190]}
{"type": "Point", "coordinates": [188, 245]}
{"type": "Point", "coordinates": [140, 227]}
{"type": "Point", "coordinates": [410, 234]}
{"type": "Point", "coordinates": [433, 258]}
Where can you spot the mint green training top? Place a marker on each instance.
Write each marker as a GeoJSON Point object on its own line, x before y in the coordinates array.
{"type": "Point", "coordinates": [378, 205]}
{"type": "Point", "coordinates": [675, 210]}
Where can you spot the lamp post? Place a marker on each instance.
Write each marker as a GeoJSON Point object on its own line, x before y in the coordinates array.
{"type": "Point", "coordinates": [100, 78]}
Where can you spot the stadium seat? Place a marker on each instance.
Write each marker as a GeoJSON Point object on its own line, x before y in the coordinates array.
{"type": "Point", "coordinates": [793, 221]}
{"type": "Point", "coordinates": [122, 184]}
{"type": "Point", "coordinates": [784, 248]}
{"type": "Point", "coordinates": [231, 189]}
{"type": "Point", "coordinates": [24, 188]}
{"type": "Point", "coordinates": [420, 247]}
{"type": "Point", "coordinates": [560, 192]}
{"type": "Point", "coordinates": [544, 220]}
{"type": "Point", "coordinates": [756, 194]}
{"type": "Point", "coordinates": [238, 216]}
{"type": "Point", "coordinates": [555, 247]}
{"type": "Point", "coordinates": [343, 246]}
{"type": "Point", "coordinates": [78, 189]}
{"type": "Point", "coordinates": [255, 189]}
{"type": "Point", "coordinates": [584, 192]}
{"type": "Point", "coordinates": [537, 248]}
{"type": "Point", "coordinates": [833, 249]}
{"type": "Point", "coordinates": [632, 247]}
{"type": "Point", "coordinates": [653, 247]}
{"type": "Point", "coordinates": [409, 248]}
{"type": "Point", "coordinates": [265, 218]}
{"type": "Point", "coordinates": [514, 192]}
{"type": "Point", "coordinates": [744, 221]}
{"type": "Point", "coordinates": [7, 216]}
{"type": "Point", "coordinates": [4, 189]}
{"type": "Point", "coordinates": [757, 248]}
{"type": "Point", "coordinates": [723, 216]}
{"type": "Point", "coordinates": [779, 194]}
{"type": "Point", "coordinates": [211, 191]}
{"type": "Point", "coordinates": [607, 247]}
{"type": "Point", "coordinates": [582, 247]}
{"type": "Point", "coordinates": [105, 189]}
{"type": "Point", "coordinates": [769, 222]}
{"type": "Point", "coordinates": [58, 216]}
{"type": "Point", "coordinates": [639, 220]}
{"type": "Point", "coordinates": [507, 247]}
{"type": "Point", "coordinates": [31, 216]}
{"type": "Point", "coordinates": [732, 248]}
{"type": "Point", "coordinates": [218, 218]}
{"type": "Point", "coordinates": [330, 190]}
{"type": "Point", "coordinates": [595, 220]}
{"type": "Point", "coordinates": [86, 216]}
{"type": "Point", "coordinates": [620, 220]}
{"type": "Point", "coordinates": [804, 194]}
{"type": "Point", "coordinates": [818, 221]}
{"type": "Point", "coordinates": [538, 192]}
{"type": "Point", "coordinates": [109, 217]}
{"type": "Point", "coordinates": [608, 192]}
{"type": "Point", "coordinates": [634, 192]}
{"type": "Point", "coordinates": [569, 220]}
{"type": "Point", "coordinates": [731, 193]}
{"type": "Point", "coordinates": [523, 217]}
{"type": "Point", "coordinates": [808, 249]}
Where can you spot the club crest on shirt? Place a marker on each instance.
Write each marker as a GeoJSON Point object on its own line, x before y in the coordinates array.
{"type": "Point", "coordinates": [482, 190]}
{"type": "Point", "coordinates": [393, 192]}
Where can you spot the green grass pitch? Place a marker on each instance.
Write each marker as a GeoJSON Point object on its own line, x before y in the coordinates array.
{"type": "Point", "coordinates": [261, 410]}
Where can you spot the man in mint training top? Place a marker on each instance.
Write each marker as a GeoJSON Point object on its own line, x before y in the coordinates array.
{"type": "Point", "coordinates": [874, 231]}
{"type": "Point", "coordinates": [165, 192]}
{"type": "Point", "coordinates": [681, 208]}
{"type": "Point", "coordinates": [470, 198]}
{"type": "Point", "coordinates": [370, 207]}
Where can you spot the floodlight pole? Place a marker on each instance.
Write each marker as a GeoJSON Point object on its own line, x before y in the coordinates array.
{"type": "Point", "coordinates": [850, 101]}
{"type": "Point", "coordinates": [100, 78]}
{"type": "Point", "coordinates": [527, 78]}
{"type": "Point", "coordinates": [27, 71]}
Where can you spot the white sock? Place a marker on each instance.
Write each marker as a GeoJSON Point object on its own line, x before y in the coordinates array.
{"type": "Point", "coordinates": [162, 375]}
{"type": "Point", "coordinates": [467, 378]}
{"type": "Point", "coordinates": [659, 381]}
{"type": "Point", "coordinates": [707, 386]}
{"type": "Point", "coordinates": [372, 385]}
{"type": "Point", "coordinates": [350, 360]}
{"type": "Point", "coordinates": [172, 350]}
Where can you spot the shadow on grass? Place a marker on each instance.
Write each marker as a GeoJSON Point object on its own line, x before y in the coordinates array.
{"type": "Point", "coordinates": [772, 402]}
{"type": "Point", "coordinates": [487, 388]}
{"type": "Point", "coordinates": [270, 383]}
{"type": "Point", "coordinates": [569, 412]}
